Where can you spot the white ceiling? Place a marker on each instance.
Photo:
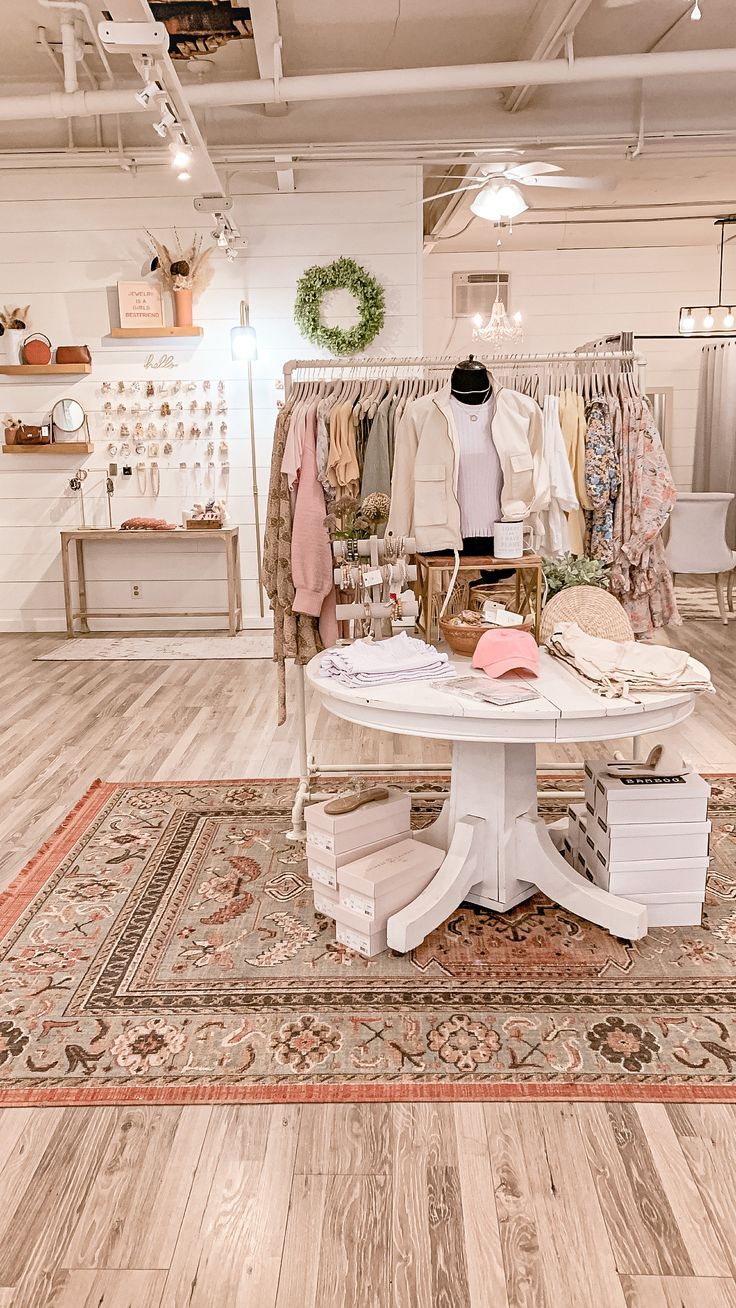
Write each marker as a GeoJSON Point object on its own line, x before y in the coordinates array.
{"type": "Point", "coordinates": [686, 170]}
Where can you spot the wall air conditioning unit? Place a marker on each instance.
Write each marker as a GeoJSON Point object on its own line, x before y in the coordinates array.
{"type": "Point", "coordinates": [475, 292]}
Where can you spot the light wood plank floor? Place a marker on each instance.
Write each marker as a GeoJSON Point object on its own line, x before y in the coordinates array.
{"type": "Point", "coordinates": [412, 1206]}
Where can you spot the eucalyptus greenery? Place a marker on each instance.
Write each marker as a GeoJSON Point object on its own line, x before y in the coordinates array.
{"type": "Point", "coordinates": [569, 570]}
{"type": "Point", "coordinates": [342, 274]}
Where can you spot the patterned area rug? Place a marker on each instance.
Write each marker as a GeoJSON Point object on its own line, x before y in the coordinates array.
{"type": "Point", "coordinates": [163, 948]}
{"type": "Point", "coordinates": [699, 604]}
{"type": "Point", "coordinates": [161, 649]}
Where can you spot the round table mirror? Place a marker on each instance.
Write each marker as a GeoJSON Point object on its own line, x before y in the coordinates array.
{"type": "Point", "coordinates": [68, 415]}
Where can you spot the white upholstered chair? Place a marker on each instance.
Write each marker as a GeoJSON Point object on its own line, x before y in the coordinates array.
{"type": "Point", "coordinates": [697, 540]}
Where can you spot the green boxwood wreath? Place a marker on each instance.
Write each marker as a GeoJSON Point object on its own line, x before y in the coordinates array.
{"type": "Point", "coordinates": [342, 274]}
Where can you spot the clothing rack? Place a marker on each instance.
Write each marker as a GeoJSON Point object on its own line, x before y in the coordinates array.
{"type": "Point", "coordinates": [410, 366]}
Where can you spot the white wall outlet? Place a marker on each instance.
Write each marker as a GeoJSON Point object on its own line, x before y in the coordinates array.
{"type": "Point", "coordinates": [135, 589]}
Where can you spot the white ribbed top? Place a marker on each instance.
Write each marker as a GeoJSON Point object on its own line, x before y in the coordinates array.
{"type": "Point", "coordinates": [480, 479]}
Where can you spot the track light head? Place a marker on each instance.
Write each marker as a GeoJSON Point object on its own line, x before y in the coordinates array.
{"type": "Point", "coordinates": [149, 93]}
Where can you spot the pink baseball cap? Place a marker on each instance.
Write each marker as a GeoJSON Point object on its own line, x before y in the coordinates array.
{"type": "Point", "coordinates": [505, 650]}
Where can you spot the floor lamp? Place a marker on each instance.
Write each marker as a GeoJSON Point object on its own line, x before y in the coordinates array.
{"type": "Point", "coordinates": [244, 347]}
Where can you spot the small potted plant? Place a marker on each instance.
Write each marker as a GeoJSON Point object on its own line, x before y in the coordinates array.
{"type": "Point", "coordinates": [572, 570]}
{"type": "Point", "coordinates": [14, 323]}
{"type": "Point", "coordinates": [183, 271]}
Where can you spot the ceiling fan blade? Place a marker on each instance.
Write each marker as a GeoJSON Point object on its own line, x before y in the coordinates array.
{"type": "Point", "coordinates": [572, 183]}
{"type": "Point", "coordinates": [521, 171]}
{"type": "Point", "coordinates": [474, 186]}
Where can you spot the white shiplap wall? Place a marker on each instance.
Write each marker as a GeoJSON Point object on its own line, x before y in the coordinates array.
{"type": "Point", "coordinates": [571, 296]}
{"type": "Point", "coordinates": [66, 238]}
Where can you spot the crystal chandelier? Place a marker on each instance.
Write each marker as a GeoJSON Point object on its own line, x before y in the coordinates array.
{"type": "Point", "coordinates": [500, 330]}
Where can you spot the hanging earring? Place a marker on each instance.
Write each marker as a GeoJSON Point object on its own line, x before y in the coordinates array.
{"type": "Point", "coordinates": [150, 389]}
{"type": "Point", "coordinates": [193, 406]}
{"type": "Point", "coordinates": [151, 429]}
{"type": "Point", "coordinates": [120, 409]}
{"type": "Point", "coordinates": [155, 479]}
{"type": "Point", "coordinates": [176, 388]}
{"type": "Point", "coordinates": [168, 449]}
{"type": "Point", "coordinates": [221, 406]}
{"type": "Point", "coordinates": [135, 387]}
{"type": "Point", "coordinates": [220, 388]}
{"type": "Point", "coordinates": [180, 430]}
{"type": "Point", "coordinates": [107, 408]}
{"type": "Point", "coordinates": [206, 385]}
{"type": "Point", "coordinates": [165, 409]}
{"type": "Point", "coordinates": [141, 472]}
{"type": "Point", "coordinates": [223, 450]}
{"type": "Point", "coordinates": [106, 388]}
{"type": "Point", "coordinates": [223, 429]}
{"type": "Point", "coordinates": [194, 431]}
{"type": "Point", "coordinates": [210, 448]}
{"type": "Point", "coordinates": [208, 408]}
{"type": "Point", "coordinates": [121, 388]}
{"type": "Point", "coordinates": [124, 431]}
{"type": "Point", "coordinates": [208, 430]}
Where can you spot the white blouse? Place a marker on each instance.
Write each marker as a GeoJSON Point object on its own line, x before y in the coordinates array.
{"type": "Point", "coordinates": [480, 479]}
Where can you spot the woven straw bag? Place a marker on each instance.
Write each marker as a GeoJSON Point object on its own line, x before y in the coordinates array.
{"type": "Point", "coordinates": [594, 610]}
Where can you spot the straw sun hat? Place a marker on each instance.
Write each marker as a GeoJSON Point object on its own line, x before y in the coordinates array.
{"type": "Point", "coordinates": [594, 610]}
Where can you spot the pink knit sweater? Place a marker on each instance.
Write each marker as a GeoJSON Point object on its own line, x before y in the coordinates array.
{"type": "Point", "coordinates": [311, 553]}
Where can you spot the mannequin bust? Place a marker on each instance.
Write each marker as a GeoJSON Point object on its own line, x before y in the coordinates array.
{"type": "Point", "coordinates": [470, 381]}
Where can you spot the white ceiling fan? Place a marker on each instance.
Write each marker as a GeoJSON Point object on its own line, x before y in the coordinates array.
{"type": "Point", "coordinates": [498, 185]}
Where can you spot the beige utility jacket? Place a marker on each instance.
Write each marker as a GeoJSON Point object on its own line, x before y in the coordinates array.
{"type": "Point", "coordinates": [424, 502]}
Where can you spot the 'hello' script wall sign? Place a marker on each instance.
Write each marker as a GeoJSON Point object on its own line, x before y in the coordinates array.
{"type": "Point", "coordinates": [162, 361]}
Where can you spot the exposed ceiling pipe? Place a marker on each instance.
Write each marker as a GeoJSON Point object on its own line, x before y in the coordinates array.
{"type": "Point", "coordinates": [390, 81]}
{"type": "Point", "coordinates": [69, 52]}
{"type": "Point", "coordinates": [78, 7]}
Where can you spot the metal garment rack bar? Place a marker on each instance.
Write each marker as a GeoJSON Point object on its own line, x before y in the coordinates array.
{"type": "Point", "coordinates": [329, 369]}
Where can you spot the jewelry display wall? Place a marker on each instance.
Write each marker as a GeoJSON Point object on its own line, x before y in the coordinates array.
{"type": "Point", "coordinates": [181, 426]}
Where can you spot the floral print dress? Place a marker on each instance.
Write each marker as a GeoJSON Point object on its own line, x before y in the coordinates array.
{"type": "Point", "coordinates": [640, 577]}
{"type": "Point", "coordinates": [601, 481]}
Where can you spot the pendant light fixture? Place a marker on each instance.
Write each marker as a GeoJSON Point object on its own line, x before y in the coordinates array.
{"type": "Point", "coordinates": [500, 330]}
{"type": "Point", "coordinates": [715, 319]}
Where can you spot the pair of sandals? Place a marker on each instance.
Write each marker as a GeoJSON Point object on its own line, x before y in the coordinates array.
{"type": "Point", "coordinates": [663, 761]}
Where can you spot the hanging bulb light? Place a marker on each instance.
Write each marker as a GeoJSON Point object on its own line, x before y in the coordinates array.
{"type": "Point", "coordinates": [687, 321]}
{"type": "Point", "coordinates": [696, 12]}
{"type": "Point", "coordinates": [709, 321]}
{"type": "Point", "coordinates": [729, 320]}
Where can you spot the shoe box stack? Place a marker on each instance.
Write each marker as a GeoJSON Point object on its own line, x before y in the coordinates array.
{"type": "Point", "coordinates": [646, 838]}
{"type": "Point", "coordinates": [365, 866]}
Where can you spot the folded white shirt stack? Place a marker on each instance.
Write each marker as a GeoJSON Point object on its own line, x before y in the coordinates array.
{"type": "Point", "coordinates": [380, 662]}
{"type": "Point", "coordinates": [615, 667]}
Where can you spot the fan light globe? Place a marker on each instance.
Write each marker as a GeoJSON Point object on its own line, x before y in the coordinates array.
{"type": "Point", "coordinates": [498, 201]}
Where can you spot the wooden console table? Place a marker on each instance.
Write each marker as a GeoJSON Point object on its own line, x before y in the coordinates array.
{"type": "Point", "coordinates": [437, 568]}
{"type": "Point", "coordinates": [229, 536]}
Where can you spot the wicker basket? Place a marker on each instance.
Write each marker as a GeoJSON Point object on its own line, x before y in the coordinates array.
{"type": "Point", "coordinates": [595, 611]}
{"type": "Point", "coordinates": [463, 639]}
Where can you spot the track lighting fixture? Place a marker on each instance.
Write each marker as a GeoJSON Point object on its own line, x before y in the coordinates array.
{"type": "Point", "coordinates": [181, 154]}
{"type": "Point", "coordinates": [148, 93]}
{"type": "Point", "coordinates": [167, 121]}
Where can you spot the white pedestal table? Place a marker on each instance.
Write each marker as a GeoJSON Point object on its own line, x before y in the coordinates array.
{"type": "Point", "coordinates": [499, 851]}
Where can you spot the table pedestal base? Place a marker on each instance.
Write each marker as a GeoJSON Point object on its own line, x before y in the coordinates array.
{"type": "Point", "coordinates": [499, 851]}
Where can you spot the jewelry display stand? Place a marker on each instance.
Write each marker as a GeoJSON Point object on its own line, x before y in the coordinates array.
{"type": "Point", "coordinates": [375, 606]}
